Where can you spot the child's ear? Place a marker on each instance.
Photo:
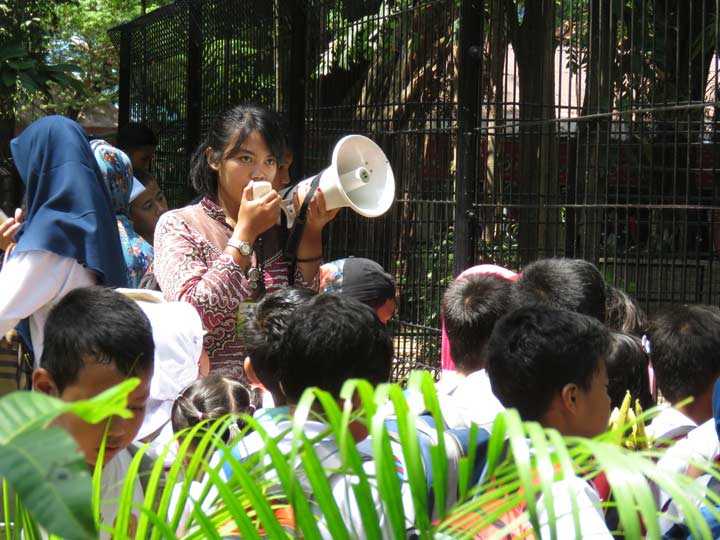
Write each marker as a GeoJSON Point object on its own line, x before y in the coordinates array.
{"type": "Point", "coordinates": [250, 374]}
{"type": "Point", "coordinates": [569, 397]}
{"type": "Point", "coordinates": [43, 382]}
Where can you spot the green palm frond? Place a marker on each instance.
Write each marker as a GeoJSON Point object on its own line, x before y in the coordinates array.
{"type": "Point", "coordinates": [285, 490]}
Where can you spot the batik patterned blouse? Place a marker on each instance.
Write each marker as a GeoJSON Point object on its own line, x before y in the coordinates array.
{"type": "Point", "coordinates": [190, 265]}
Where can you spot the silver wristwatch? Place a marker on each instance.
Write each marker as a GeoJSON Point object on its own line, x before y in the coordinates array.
{"type": "Point", "coordinates": [243, 247]}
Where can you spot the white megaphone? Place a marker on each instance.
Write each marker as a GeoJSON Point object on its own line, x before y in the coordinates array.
{"type": "Point", "coordinates": [359, 177]}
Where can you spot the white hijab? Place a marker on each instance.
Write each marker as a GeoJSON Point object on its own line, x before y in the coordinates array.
{"type": "Point", "coordinates": [178, 335]}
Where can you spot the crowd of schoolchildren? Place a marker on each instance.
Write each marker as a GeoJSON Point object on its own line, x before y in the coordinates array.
{"type": "Point", "coordinates": [104, 283]}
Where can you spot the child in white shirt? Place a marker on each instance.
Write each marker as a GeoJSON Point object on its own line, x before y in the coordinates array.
{"type": "Point", "coordinates": [95, 338]}
{"type": "Point", "coordinates": [684, 342]}
{"type": "Point", "coordinates": [471, 307]}
{"type": "Point", "coordinates": [549, 364]}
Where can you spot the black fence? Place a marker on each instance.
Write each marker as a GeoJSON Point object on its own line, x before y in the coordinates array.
{"type": "Point", "coordinates": [516, 130]}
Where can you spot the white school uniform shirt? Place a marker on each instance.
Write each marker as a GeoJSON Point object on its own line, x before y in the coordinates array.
{"type": "Point", "coordinates": [329, 456]}
{"type": "Point", "coordinates": [669, 422]}
{"type": "Point", "coordinates": [590, 514]}
{"type": "Point", "coordinates": [31, 283]}
{"type": "Point", "coordinates": [700, 444]}
{"type": "Point", "coordinates": [113, 478]}
{"type": "Point", "coordinates": [245, 447]}
{"type": "Point", "coordinates": [468, 399]}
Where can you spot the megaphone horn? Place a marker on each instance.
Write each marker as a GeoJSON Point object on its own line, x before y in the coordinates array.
{"type": "Point", "coordinates": [359, 177]}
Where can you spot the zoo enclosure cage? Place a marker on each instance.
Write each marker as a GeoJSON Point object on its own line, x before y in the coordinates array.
{"type": "Point", "coordinates": [516, 130]}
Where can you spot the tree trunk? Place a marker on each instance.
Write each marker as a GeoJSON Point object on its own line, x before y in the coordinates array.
{"type": "Point", "coordinates": [594, 135]}
{"type": "Point", "coordinates": [688, 31]}
{"type": "Point", "coordinates": [533, 41]}
{"type": "Point", "coordinates": [493, 188]}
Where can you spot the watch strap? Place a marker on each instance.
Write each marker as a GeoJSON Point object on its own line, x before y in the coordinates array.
{"type": "Point", "coordinates": [243, 247]}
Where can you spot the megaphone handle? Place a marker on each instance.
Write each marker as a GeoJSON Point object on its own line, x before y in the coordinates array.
{"type": "Point", "coordinates": [296, 233]}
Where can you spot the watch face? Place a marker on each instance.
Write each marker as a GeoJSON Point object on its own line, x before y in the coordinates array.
{"type": "Point", "coordinates": [245, 249]}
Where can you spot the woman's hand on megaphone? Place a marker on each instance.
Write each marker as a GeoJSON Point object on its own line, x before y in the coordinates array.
{"type": "Point", "coordinates": [255, 216]}
{"type": "Point", "coordinates": [318, 216]}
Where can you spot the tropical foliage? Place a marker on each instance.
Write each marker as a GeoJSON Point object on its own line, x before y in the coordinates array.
{"type": "Point", "coordinates": [248, 501]}
{"type": "Point", "coordinates": [45, 481]}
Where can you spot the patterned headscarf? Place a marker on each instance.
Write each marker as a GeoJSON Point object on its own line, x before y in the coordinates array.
{"type": "Point", "coordinates": [116, 170]}
{"type": "Point", "coordinates": [363, 279]}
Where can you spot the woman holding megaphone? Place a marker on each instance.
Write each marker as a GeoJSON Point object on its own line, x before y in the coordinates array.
{"type": "Point", "coordinates": [226, 249]}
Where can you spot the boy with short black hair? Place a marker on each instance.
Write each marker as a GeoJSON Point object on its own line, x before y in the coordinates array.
{"type": "Point", "coordinates": [572, 284]}
{"type": "Point", "coordinates": [262, 331]}
{"type": "Point", "coordinates": [471, 306]}
{"type": "Point", "coordinates": [684, 344]}
{"type": "Point", "coordinates": [549, 364]}
{"type": "Point", "coordinates": [95, 338]}
{"type": "Point", "coordinates": [329, 339]}
{"type": "Point", "coordinates": [138, 142]}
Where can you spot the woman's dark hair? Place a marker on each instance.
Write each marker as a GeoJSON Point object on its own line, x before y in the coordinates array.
{"type": "Point", "coordinates": [627, 368]}
{"type": "Point", "coordinates": [623, 313]}
{"type": "Point", "coordinates": [225, 136]}
{"type": "Point", "coordinates": [210, 398]}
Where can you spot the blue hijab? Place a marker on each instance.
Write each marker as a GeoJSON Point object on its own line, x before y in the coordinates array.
{"type": "Point", "coordinates": [69, 212]}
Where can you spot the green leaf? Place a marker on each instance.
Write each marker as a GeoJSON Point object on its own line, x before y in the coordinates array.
{"type": "Point", "coordinates": [29, 83]}
{"type": "Point", "coordinates": [6, 494]}
{"type": "Point", "coordinates": [353, 464]}
{"type": "Point", "coordinates": [67, 81]}
{"type": "Point", "coordinates": [388, 481]}
{"type": "Point", "coordinates": [9, 78]}
{"type": "Point", "coordinates": [322, 492]}
{"type": "Point", "coordinates": [46, 470]}
{"type": "Point", "coordinates": [12, 51]}
{"type": "Point", "coordinates": [64, 68]}
{"type": "Point", "coordinates": [26, 411]}
{"type": "Point", "coordinates": [22, 65]}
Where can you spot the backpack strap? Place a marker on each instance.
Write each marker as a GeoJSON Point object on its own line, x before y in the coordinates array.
{"type": "Point", "coordinates": [457, 444]}
{"type": "Point", "coordinates": [674, 435]}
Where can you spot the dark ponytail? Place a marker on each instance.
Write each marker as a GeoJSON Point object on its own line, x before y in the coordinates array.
{"type": "Point", "coordinates": [210, 398]}
{"type": "Point", "coordinates": [227, 133]}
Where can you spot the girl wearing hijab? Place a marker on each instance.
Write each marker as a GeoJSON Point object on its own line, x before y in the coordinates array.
{"type": "Point", "coordinates": [180, 359]}
{"type": "Point", "coordinates": [69, 238]}
{"type": "Point", "coordinates": [116, 170]}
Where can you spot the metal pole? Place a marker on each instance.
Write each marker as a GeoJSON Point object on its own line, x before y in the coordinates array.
{"type": "Point", "coordinates": [296, 92]}
{"type": "Point", "coordinates": [124, 83]}
{"type": "Point", "coordinates": [469, 70]}
{"type": "Point", "coordinates": [194, 76]}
